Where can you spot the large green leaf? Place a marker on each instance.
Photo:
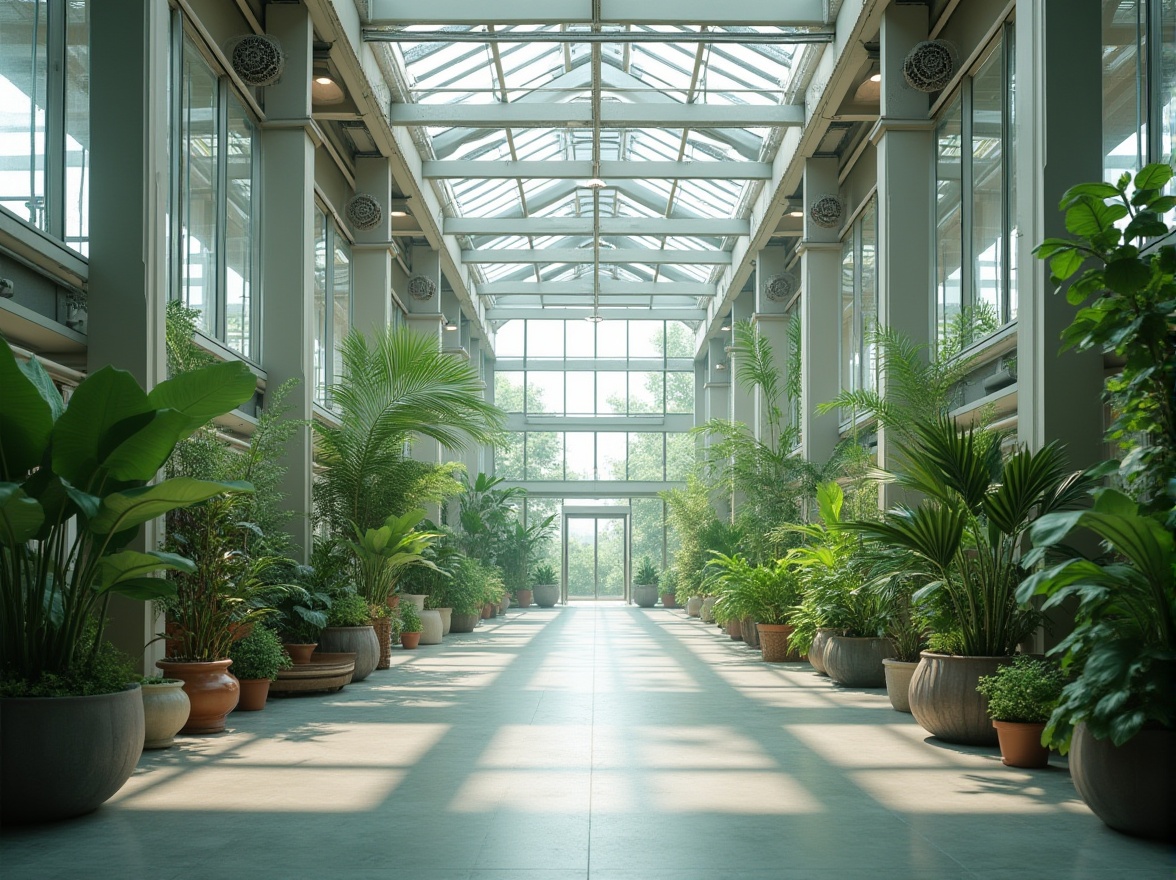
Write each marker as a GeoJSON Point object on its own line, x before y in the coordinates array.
{"type": "Point", "coordinates": [145, 589]}
{"type": "Point", "coordinates": [20, 516]}
{"type": "Point", "coordinates": [1028, 477]}
{"type": "Point", "coordinates": [1090, 217]}
{"type": "Point", "coordinates": [26, 418]}
{"type": "Point", "coordinates": [131, 508]}
{"type": "Point", "coordinates": [1154, 176]}
{"type": "Point", "coordinates": [204, 394]}
{"type": "Point", "coordinates": [100, 403]}
{"type": "Point", "coordinates": [131, 564]}
{"type": "Point", "coordinates": [144, 451]}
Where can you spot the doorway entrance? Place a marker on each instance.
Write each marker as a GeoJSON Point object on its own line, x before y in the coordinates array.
{"type": "Point", "coordinates": [596, 553]}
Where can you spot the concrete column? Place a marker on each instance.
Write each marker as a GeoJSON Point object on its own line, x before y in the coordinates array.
{"type": "Point", "coordinates": [128, 246]}
{"type": "Point", "coordinates": [906, 199]}
{"type": "Point", "coordinates": [771, 323]}
{"type": "Point", "coordinates": [424, 317]}
{"type": "Point", "coordinates": [743, 403]}
{"type": "Point", "coordinates": [372, 265]}
{"type": "Point", "coordinates": [820, 300]}
{"type": "Point", "coordinates": [1058, 56]}
{"type": "Point", "coordinates": [287, 290]}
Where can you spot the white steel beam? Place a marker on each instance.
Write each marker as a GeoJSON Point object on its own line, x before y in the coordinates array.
{"type": "Point", "coordinates": [516, 313]}
{"type": "Point", "coordinates": [703, 226]}
{"type": "Point", "coordinates": [793, 13]}
{"type": "Point", "coordinates": [614, 114]}
{"type": "Point", "coordinates": [608, 256]}
{"type": "Point", "coordinates": [610, 169]}
{"type": "Point", "coordinates": [607, 287]}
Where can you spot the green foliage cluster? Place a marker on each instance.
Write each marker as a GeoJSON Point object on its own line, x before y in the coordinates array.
{"type": "Point", "coordinates": [766, 593]}
{"type": "Point", "coordinates": [1026, 690]}
{"type": "Point", "coordinates": [349, 609]}
{"type": "Point", "coordinates": [410, 618]}
{"type": "Point", "coordinates": [259, 655]}
{"type": "Point", "coordinates": [646, 572]}
{"type": "Point", "coordinates": [544, 574]}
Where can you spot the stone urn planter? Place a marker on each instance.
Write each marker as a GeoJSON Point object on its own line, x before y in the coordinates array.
{"type": "Point", "coordinates": [1020, 744]}
{"type": "Point", "coordinates": [546, 595]}
{"type": "Point", "coordinates": [165, 711]}
{"type": "Point", "coordinates": [693, 606]}
{"type": "Point", "coordinates": [857, 662]}
{"type": "Point", "coordinates": [463, 623]}
{"type": "Point", "coordinates": [65, 756]}
{"type": "Point", "coordinates": [816, 652]}
{"type": "Point", "coordinates": [524, 597]}
{"type": "Point", "coordinates": [707, 612]}
{"type": "Point", "coordinates": [210, 687]}
{"type": "Point", "coordinates": [254, 693]}
{"type": "Point", "coordinates": [417, 599]}
{"type": "Point", "coordinates": [898, 682]}
{"type": "Point", "coordinates": [773, 639]}
{"type": "Point", "coordinates": [359, 640]}
{"type": "Point", "coordinates": [431, 627]}
{"type": "Point", "coordinates": [645, 595]}
{"type": "Point", "coordinates": [945, 702]}
{"type": "Point", "coordinates": [446, 620]}
{"type": "Point", "coordinates": [1131, 787]}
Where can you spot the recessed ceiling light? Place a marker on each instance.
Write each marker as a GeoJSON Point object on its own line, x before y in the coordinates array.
{"type": "Point", "coordinates": [594, 183]}
{"type": "Point", "coordinates": [876, 78]}
{"type": "Point", "coordinates": [397, 213]}
{"type": "Point", "coordinates": [726, 325]}
{"type": "Point", "coordinates": [595, 318]}
{"type": "Point", "coordinates": [796, 213]}
{"type": "Point", "coordinates": [324, 80]}
{"type": "Point", "coordinates": [450, 325]}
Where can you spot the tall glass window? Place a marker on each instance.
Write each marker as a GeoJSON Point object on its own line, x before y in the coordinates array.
{"type": "Point", "coordinates": [859, 302]}
{"type": "Point", "coordinates": [332, 303]}
{"type": "Point", "coordinates": [45, 116]}
{"type": "Point", "coordinates": [975, 188]}
{"type": "Point", "coordinates": [214, 210]}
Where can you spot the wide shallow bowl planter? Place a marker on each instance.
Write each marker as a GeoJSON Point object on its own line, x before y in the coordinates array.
{"type": "Point", "coordinates": [254, 693]}
{"type": "Point", "coordinates": [410, 640]}
{"type": "Point", "coordinates": [945, 702]}
{"type": "Point", "coordinates": [898, 682]}
{"type": "Point", "coordinates": [734, 629]}
{"type": "Point", "coordinates": [645, 595]}
{"type": "Point", "coordinates": [165, 711]}
{"type": "Point", "coordinates": [446, 620]}
{"type": "Point", "coordinates": [773, 639]}
{"type": "Point", "coordinates": [669, 600]}
{"type": "Point", "coordinates": [524, 598]}
{"type": "Point", "coordinates": [1131, 787]}
{"type": "Point", "coordinates": [382, 626]}
{"type": "Point", "coordinates": [857, 662]}
{"type": "Point", "coordinates": [750, 632]}
{"type": "Point", "coordinates": [431, 627]}
{"type": "Point", "coordinates": [65, 756]}
{"type": "Point", "coordinates": [464, 623]}
{"type": "Point", "coordinates": [693, 606]}
{"type": "Point", "coordinates": [210, 687]}
{"type": "Point", "coordinates": [546, 595]}
{"type": "Point", "coordinates": [324, 673]}
{"type": "Point", "coordinates": [707, 612]}
{"type": "Point", "coordinates": [1020, 744]}
{"type": "Point", "coordinates": [417, 599]}
{"type": "Point", "coordinates": [360, 640]}
{"type": "Point", "coordinates": [299, 652]}
{"type": "Point", "coordinates": [816, 652]}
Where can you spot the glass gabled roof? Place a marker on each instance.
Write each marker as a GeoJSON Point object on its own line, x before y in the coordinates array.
{"type": "Point", "coordinates": [660, 101]}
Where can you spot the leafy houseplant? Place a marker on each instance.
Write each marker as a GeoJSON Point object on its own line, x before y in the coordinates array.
{"type": "Point", "coordinates": [765, 594]}
{"type": "Point", "coordinates": [410, 625]}
{"type": "Point", "coordinates": [382, 553]}
{"type": "Point", "coordinates": [1021, 697]}
{"type": "Point", "coordinates": [259, 655]}
{"type": "Point", "coordinates": [645, 584]}
{"type": "Point", "coordinates": [349, 609]}
{"type": "Point", "coordinates": [350, 630]}
{"type": "Point", "coordinates": [545, 583]}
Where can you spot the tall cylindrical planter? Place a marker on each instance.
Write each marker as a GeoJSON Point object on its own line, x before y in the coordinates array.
{"type": "Point", "coordinates": [65, 756]}
{"type": "Point", "coordinates": [857, 662]}
{"type": "Point", "coordinates": [165, 711]}
{"type": "Point", "coordinates": [382, 626]}
{"type": "Point", "coordinates": [1131, 787]}
{"type": "Point", "coordinates": [359, 640]}
{"type": "Point", "coordinates": [210, 687]}
{"type": "Point", "coordinates": [773, 639]}
{"type": "Point", "coordinates": [898, 682]}
{"type": "Point", "coordinates": [945, 702]}
{"type": "Point", "coordinates": [462, 622]}
{"type": "Point", "coordinates": [816, 652]}
{"type": "Point", "coordinates": [693, 606]}
{"type": "Point", "coordinates": [446, 620]}
{"type": "Point", "coordinates": [431, 627]}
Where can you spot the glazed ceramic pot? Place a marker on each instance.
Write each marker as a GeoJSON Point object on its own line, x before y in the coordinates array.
{"type": "Point", "coordinates": [254, 693]}
{"type": "Point", "coordinates": [945, 702]}
{"type": "Point", "coordinates": [898, 682]}
{"type": "Point", "coordinates": [165, 711]}
{"type": "Point", "coordinates": [464, 623]}
{"type": "Point", "coordinates": [431, 627]}
{"type": "Point", "coordinates": [360, 640]}
{"type": "Point", "coordinates": [1020, 744]}
{"type": "Point", "coordinates": [645, 595]}
{"type": "Point", "coordinates": [1131, 787]}
{"type": "Point", "coordinates": [210, 687]}
{"type": "Point", "coordinates": [773, 639]}
{"type": "Point", "coordinates": [857, 662]}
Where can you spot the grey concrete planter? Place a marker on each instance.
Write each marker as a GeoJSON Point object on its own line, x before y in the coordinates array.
{"type": "Point", "coordinates": [693, 606]}
{"type": "Point", "coordinates": [898, 682]}
{"type": "Point", "coordinates": [464, 623]}
{"type": "Point", "coordinates": [1131, 787]}
{"type": "Point", "coordinates": [857, 662]}
{"type": "Point", "coordinates": [358, 640]}
{"type": "Point", "coordinates": [65, 756]}
{"type": "Point", "coordinates": [707, 612]}
{"type": "Point", "coordinates": [645, 595]}
{"type": "Point", "coordinates": [816, 652]}
{"type": "Point", "coordinates": [945, 702]}
{"type": "Point", "coordinates": [546, 595]}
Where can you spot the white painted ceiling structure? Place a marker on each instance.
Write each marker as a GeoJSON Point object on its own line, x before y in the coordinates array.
{"type": "Point", "coordinates": [600, 157]}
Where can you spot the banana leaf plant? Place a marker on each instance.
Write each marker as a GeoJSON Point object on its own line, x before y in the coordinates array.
{"type": "Point", "coordinates": [75, 487]}
{"type": "Point", "coordinates": [382, 554]}
{"type": "Point", "coordinates": [966, 537]}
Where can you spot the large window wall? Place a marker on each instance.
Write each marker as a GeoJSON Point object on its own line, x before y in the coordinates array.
{"type": "Point", "coordinates": [976, 282]}
{"type": "Point", "coordinates": [333, 281]}
{"type": "Point", "coordinates": [45, 116]}
{"type": "Point", "coordinates": [859, 302]}
{"type": "Point", "coordinates": [650, 536]}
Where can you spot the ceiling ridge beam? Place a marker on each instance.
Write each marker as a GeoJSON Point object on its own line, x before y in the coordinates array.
{"type": "Point", "coordinates": [613, 114]}
{"type": "Point", "coordinates": [608, 256]}
{"type": "Point", "coordinates": [610, 169]}
{"type": "Point", "coordinates": [702, 226]}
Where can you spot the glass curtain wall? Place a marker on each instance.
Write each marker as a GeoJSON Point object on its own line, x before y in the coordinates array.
{"type": "Point", "coordinates": [859, 302]}
{"type": "Point", "coordinates": [332, 303]}
{"type": "Point", "coordinates": [45, 116]}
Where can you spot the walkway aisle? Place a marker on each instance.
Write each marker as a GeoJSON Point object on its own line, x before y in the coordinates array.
{"type": "Point", "coordinates": [589, 742]}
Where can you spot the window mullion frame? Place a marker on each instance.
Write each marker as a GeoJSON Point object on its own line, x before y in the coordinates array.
{"type": "Point", "coordinates": [1007, 170]}
{"type": "Point", "coordinates": [175, 124]}
{"type": "Point", "coordinates": [222, 208]}
{"type": "Point", "coordinates": [54, 169]}
{"type": "Point", "coordinates": [968, 293]}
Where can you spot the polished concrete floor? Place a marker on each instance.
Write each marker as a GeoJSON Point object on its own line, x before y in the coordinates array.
{"type": "Point", "coordinates": [587, 742]}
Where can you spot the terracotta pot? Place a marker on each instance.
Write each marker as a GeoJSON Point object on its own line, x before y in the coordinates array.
{"type": "Point", "coordinates": [446, 620]}
{"type": "Point", "coordinates": [299, 653]}
{"type": "Point", "coordinates": [464, 623]}
{"type": "Point", "coordinates": [254, 693]}
{"type": "Point", "coordinates": [417, 599]}
{"type": "Point", "coordinates": [750, 632]}
{"type": "Point", "coordinates": [523, 597]}
{"type": "Point", "coordinates": [735, 630]}
{"type": "Point", "coordinates": [693, 606]}
{"type": "Point", "coordinates": [393, 601]}
{"type": "Point", "coordinates": [773, 639]}
{"type": "Point", "coordinates": [65, 756]}
{"type": "Point", "coordinates": [165, 711]}
{"type": "Point", "coordinates": [707, 612]}
{"type": "Point", "coordinates": [487, 611]}
{"type": "Point", "coordinates": [857, 662]}
{"type": "Point", "coordinates": [816, 651]}
{"type": "Point", "coordinates": [898, 682]}
{"type": "Point", "coordinates": [360, 640]}
{"type": "Point", "coordinates": [645, 595]}
{"type": "Point", "coordinates": [669, 600]}
{"type": "Point", "coordinates": [431, 627]}
{"type": "Point", "coordinates": [1131, 787]}
{"type": "Point", "coordinates": [546, 595]}
{"type": "Point", "coordinates": [944, 699]}
{"type": "Point", "coordinates": [1020, 744]}
{"type": "Point", "coordinates": [382, 626]}
{"type": "Point", "coordinates": [410, 640]}
{"type": "Point", "coordinates": [210, 687]}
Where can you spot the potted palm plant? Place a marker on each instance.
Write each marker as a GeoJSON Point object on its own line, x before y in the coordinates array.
{"type": "Point", "coordinates": [75, 486]}
{"type": "Point", "coordinates": [257, 659]}
{"type": "Point", "coordinates": [766, 594]}
{"type": "Point", "coordinates": [521, 548]}
{"type": "Point", "coordinates": [645, 581]}
{"type": "Point", "coordinates": [1021, 697]}
{"type": "Point", "coordinates": [545, 585]}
